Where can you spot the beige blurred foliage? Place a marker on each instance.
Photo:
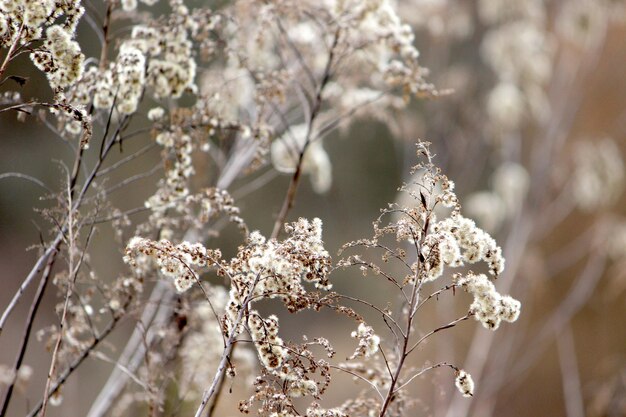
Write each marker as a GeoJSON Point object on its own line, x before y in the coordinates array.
{"type": "Point", "coordinates": [530, 125]}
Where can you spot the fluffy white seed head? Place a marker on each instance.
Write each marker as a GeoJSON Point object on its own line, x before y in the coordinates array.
{"type": "Point", "coordinates": [464, 383]}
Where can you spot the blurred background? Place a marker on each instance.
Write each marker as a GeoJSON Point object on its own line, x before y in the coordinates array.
{"type": "Point", "coordinates": [533, 133]}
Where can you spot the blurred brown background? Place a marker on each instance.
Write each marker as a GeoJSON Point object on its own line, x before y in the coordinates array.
{"type": "Point", "coordinates": [572, 331]}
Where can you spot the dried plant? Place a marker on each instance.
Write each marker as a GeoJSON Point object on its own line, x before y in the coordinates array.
{"type": "Point", "coordinates": [222, 98]}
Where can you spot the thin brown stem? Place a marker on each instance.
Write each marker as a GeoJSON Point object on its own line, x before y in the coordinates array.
{"type": "Point", "coordinates": [216, 385]}
{"type": "Point", "coordinates": [436, 294]}
{"type": "Point", "coordinates": [78, 361]}
{"type": "Point", "coordinates": [14, 45]}
{"type": "Point", "coordinates": [117, 216]}
{"type": "Point", "coordinates": [132, 179]}
{"type": "Point", "coordinates": [411, 309]}
{"type": "Point", "coordinates": [428, 368]}
{"type": "Point", "coordinates": [28, 328]}
{"type": "Point", "coordinates": [105, 33]}
{"type": "Point", "coordinates": [37, 268]}
{"type": "Point", "coordinates": [295, 179]}
{"type": "Point", "coordinates": [438, 329]}
{"type": "Point", "coordinates": [127, 159]}
{"type": "Point", "coordinates": [403, 352]}
{"type": "Point", "coordinates": [372, 306]}
{"type": "Point", "coordinates": [354, 374]}
{"type": "Point", "coordinates": [157, 310]}
{"type": "Point", "coordinates": [73, 273]}
{"type": "Point", "coordinates": [290, 197]}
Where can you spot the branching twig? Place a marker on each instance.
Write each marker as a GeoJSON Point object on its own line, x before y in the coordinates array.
{"type": "Point", "coordinates": [354, 374]}
{"type": "Point", "coordinates": [37, 268]}
{"type": "Point", "coordinates": [78, 361]}
{"type": "Point", "coordinates": [14, 44]}
{"type": "Point", "coordinates": [426, 369]}
{"type": "Point", "coordinates": [438, 329]}
{"type": "Point", "coordinates": [225, 359]}
{"type": "Point", "coordinates": [295, 179]}
{"type": "Point", "coordinates": [156, 311]}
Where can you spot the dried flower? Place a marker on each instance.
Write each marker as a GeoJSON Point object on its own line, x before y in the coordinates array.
{"type": "Point", "coordinates": [464, 383]}
{"type": "Point", "coordinates": [489, 307]}
{"type": "Point", "coordinates": [368, 341]}
{"type": "Point", "coordinates": [174, 261]}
